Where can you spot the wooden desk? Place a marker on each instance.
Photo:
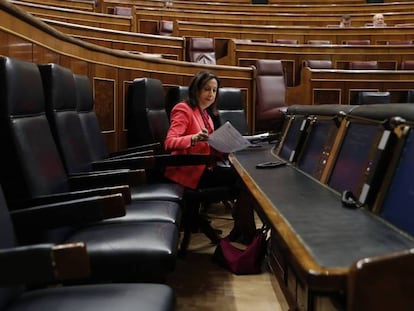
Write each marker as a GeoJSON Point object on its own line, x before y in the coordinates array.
{"type": "Point", "coordinates": [341, 86]}
{"type": "Point", "coordinates": [315, 241]}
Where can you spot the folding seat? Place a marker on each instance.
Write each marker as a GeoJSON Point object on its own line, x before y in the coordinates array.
{"type": "Point", "coordinates": [269, 95]}
{"type": "Point", "coordinates": [363, 65]}
{"type": "Point", "coordinates": [201, 50]}
{"type": "Point", "coordinates": [44, 267]}
{"type": "Point", "coordinates": [32, 173]}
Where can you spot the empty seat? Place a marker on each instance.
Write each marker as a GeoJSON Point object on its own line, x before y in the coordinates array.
{"type": "Point", "coordinates": [399, 42]}
{"type": "Point", "coordinates": [230, 108]}
{"type": "Point", "coordinates": [165, 28]}
{"type": "Point", "coordinates": [319, 42]}
{"type": "Point", "coordinates": [318, 64]}
{"type": "Point", "coordinates": [369, 98]}
{"type": "Point", "coordinates": [270, 95]}
{"type": "Point", "coordinates": [51, 264]}
{"type": "Point", "coordinates": [357, 42]}
{"type": "Point", "coordinates": [286, 41]}
{"type": "Point", "coordinates": [363, 65]}
{"type": "Point", "coordinates": [32, 173]}
{"type": "Point", "coordinates": [407, 65]}
{"type": "Point", "coordinates": [201, 50]}
{"type": "Point", "coordinates": [122, 11]}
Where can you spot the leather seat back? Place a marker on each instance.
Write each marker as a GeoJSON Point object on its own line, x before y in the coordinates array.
{"type": "Point", "coordinates": [270, 95]}
{"type": "Point", "coordinates": [147, 118]}
{"type": "Point", "coordinates": [230, 108]}
{"type": "Point", "coordinates": [201, 50]}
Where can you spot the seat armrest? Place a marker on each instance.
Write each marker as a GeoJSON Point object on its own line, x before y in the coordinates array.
{"type": "Point", "coordinates": [138, 162]}
{"type": "Point", "coordinates": [107, 178]}
{"type": "Point", "coordinates": [74, 195]}
{"type": "Point", "coordinates": [69, 213]}
{"type": "Point", "coordinates": [127, 155]}
{"type": "Point", "coordinates": [43, 263]}
{"type": "Point", "coordinates": [147, 147]}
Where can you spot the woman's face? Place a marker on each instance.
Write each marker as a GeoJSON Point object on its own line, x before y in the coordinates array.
{"type": "Point", "coordinates": [207, 94]}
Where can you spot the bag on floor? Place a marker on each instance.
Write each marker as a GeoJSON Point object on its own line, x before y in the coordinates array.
{"type": "Point", "coordinates": [240, 258]}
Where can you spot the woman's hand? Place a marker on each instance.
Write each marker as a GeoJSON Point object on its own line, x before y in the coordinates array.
{"type": "Point", "coordinates": [200, 136]}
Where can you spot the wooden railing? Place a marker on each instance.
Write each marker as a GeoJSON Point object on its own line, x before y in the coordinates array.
{"type": "Point", "coordinates": [266, 33]}
{"type": "Point", "coordinates": [322, 86]}
{"type": "Point", "coordinates": [109, 21]}
{"type": "Point", "coordinates": [288, 7]}
{"type": "Point", "coordinates": [146, 19]}
{"type": "Point", "coordinates": [389, 57]}
{"type": "Point", "coordinates": [167, 47]}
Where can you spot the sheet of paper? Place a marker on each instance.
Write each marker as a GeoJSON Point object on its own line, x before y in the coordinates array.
{"type": "Point", "coordinates": [227, 139]}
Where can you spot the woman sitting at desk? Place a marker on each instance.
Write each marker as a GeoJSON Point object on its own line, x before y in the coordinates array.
{"type": "Point", "coordinates": [190, 128]}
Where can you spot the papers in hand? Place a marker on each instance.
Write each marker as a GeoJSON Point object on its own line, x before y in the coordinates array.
{"type": "Point", "coordinates": [227, 139]}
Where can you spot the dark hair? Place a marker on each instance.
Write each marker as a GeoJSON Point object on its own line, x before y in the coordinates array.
{"type": "Point", "coordinates": [197, 84]}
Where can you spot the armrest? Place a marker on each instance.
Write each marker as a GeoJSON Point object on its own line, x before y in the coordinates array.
{"type": "Point", "coordinates": [74, 195]}
{"type": "Point", "coordinates": [107, 178]}
{"type": "Point", "coordinates": [75, 212]}
{"type": "Point", "coordinates": [153, 161]}
{"type": "Point", "coordinates": [148, 147]}
{"type": "Point", "coordinates": [43, 263]}
{"type": "Point", "coordinates": [131, 155]}
{"type": "Point", "coordinates": [139, 162]}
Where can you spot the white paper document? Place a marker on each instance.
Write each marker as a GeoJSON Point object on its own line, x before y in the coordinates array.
{"type": "Point", "coordinates": [227, 139]}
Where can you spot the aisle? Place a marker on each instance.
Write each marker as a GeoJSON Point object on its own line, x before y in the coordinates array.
{"type": "Point", "coordinates": [202, 285]}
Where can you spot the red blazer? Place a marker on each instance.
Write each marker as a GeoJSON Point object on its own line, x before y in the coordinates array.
{"type": "Point", "coordinates": [185, 122]}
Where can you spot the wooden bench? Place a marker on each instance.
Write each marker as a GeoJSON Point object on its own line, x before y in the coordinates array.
{"type": "Point", "coordinates": [83, 5]}
{"type": "Point", "coordinates": [108, 21]}
{"type": "Point", "coordinates": [388, 7]}
{"type": "Point", "coordinates": [267, 33]}
{"type": "Point", "coordinates": [242, 53]}
{"type": "Point", "coordinates": [168, 47]}
{"type": "Point", "coordinates": [325, 86]}
{"type": "Point", "coordinates": [148, 18]}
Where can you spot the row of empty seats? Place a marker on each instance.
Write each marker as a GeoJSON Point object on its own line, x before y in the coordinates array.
{"type": "Point", "coordinates": [128, 230]}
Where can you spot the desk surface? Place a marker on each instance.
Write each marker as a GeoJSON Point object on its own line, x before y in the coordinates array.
{"type": "Point", "coordinates": [323, 239]}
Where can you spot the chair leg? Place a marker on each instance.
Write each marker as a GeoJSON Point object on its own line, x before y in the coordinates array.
{"type": "Point", "coordinates": [194, 219]}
